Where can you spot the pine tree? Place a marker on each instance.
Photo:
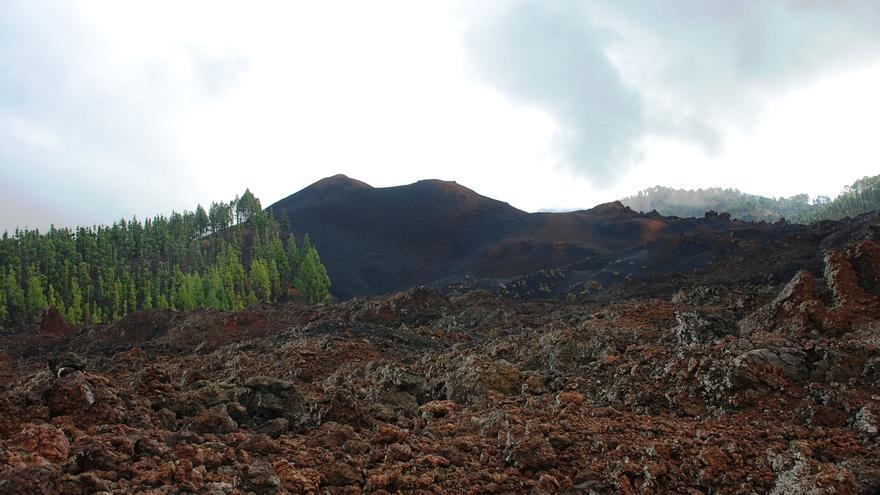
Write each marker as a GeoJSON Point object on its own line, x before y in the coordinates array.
{"type": "Point", "coordinates": [312, 278]}
{"type": "Point", "coordinates": [196, 289]}
{"type": "Point", "coordinates": [74, 311]}
{"type": "Point", "coordinates": [210, 290]}
{"type": "Point", "coordinates": [306, 244]}
{"type": "Point", "coordinates": [274, 279]}
{"type": "Point", "coordinates": [279, 258]}
{"type": "Point", "coordinates": [201, 220]}
{"type": "Point", "coordinates": [4, 314]}
{"type": "Point", "coordinates": [51, 302]}
{"type": "Point", "coordinates": [131, 303]}
{"type": "Point", "coordinates": [56, 301]}
{"type": "Point", "coordinates": [293, 255]}
{"type": "Point", "coordinates": [36, 297]}
{"type": "Point", "coordinates": [247, 206]}
{"type": "Point", "coordinates": [261, 284]}
{"type": "Point", "coordinates": [15, 298]}
{"type": "Point", "coordinates": [118, 308]}
{"type": "Point", "coordinates": [162, 302]}
{"type": "Point", "coordinates": [146, 291]}
{"type": "Point", "coordinates": [96, 317]}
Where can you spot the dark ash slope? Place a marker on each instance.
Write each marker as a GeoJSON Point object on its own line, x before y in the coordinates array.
{"type": "Point", "coordinates": [380, 240]}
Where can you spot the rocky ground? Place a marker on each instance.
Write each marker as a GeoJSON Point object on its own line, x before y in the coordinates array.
{"type": "Point", "coordinates": [753, 388]}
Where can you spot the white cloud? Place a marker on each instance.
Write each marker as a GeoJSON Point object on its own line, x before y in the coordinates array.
{"type": "Point", "coordinates": [618, 75]}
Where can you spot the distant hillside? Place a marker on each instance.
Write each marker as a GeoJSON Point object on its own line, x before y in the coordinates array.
{"type": "Point", "coordinates": [862, 196]}
{"type": "Point", "coordinates": [695, 203]}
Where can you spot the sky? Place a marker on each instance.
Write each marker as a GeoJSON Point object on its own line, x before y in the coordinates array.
{"type": "Point", "coordinates": [110, 109]}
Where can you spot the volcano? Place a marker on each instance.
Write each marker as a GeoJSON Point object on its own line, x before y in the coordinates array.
{"type": "Point", "coordinates": [439, 233]}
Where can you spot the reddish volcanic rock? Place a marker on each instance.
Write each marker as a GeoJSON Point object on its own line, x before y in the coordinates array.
{"type": "Point", "coordinates": [752, 388]}
{"type": "Point", "coordinates": [297, 480]}
{"type": "Point", "coordinates": [532, 453]}
{"type": "Point", "coordinates": [214, 420]}
{"type": "Point", "coordinates": [843, 280]}
{"type": "Point", "coordinates": [341, 474]}
{"type": "Point", "coordinates": [52, 323]}
{"type": "Point", "coordinates": [865, 257]}
{"type": "Point", "coordinates": [70, 394]}
{"type": "Point", "coordinates": [45, 440]}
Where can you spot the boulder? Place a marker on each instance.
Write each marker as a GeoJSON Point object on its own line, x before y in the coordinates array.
{"type": "Point", "coordinates": [212, 393]}
{"type": "Point", "coordinates": [258, 478]}
{"type": "Point", "coordinates": [341, 474]}
{"type": "Point", "coordinates": [417, 306]}
{"type": "Point", "coordinates": [266, 398]}
{"type": "Point", "coordinates": [45, 440]}
{"type": "Point", "coordinates": [699, 327]}
{"type": "Point", "coordinates": [532, 453]}
{"type": "Point", "coordinates": [401, 390]}
{"type": "Point", "coordinates": [214, 420]}
{"type": "Point", "coordinates": [64, 363]}
{"type": "Point", "coordinates": [865, 421]}
{"type": "Point", "coordinates": [801, 288]}
{"type": "Point", "coordinates": [789, 362]}
{"type": "Point", "coordinates": [843, 281]}
{"type": "Point", "coordinates": [70, 394]}
{"type": "Point", "coordinates": [865, 257]}
{"type": "Point", "coordinates": [275, 427]}
{"type": "Point", "coordinates": [340, 406]}
{"type": "Point", "coordinates": [102, 454]}
{"type": "Point", "coordinates": [295, 479]}
{"type": "Point", "coordinates": [476, 376]}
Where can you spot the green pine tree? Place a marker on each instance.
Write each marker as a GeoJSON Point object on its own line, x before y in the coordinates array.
{"type": "Point", "coordinates": [118, 305]}
{"type": "Point", "coordinates": [312, 278]}
{"type": "Point", "coordinates": [74, 310]}
{"type": "Point", "coordinates": [36, 297]}
{"type": "Point", "coordinates": [96, 317]}
{"type": "Point", "coordinates": [51, 301]}
{"type": "Point", "coordinates": [261, 283]}
{"type": "Point", "coordinates": [15, 298]}
{"type": "Point", "coordinates": [131, 302]}
{"type": "Point", "coordinates": [4, 313]}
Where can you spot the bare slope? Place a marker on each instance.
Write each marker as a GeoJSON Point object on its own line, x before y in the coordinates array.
{"type": "Point", "coordinates": [380, 240]}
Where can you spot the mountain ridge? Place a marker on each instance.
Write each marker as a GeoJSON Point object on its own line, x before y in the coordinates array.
{"type": "Point", "coordinates": [436, 233]}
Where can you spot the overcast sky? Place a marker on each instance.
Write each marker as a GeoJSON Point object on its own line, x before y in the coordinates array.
{"type": "Point", "coordinates": [115, 108]}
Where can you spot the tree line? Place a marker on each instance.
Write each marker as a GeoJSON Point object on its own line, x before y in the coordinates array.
{"type": "Point", "coordinates": [227, 257]}
{"type": "Point", "coordinates": [860, 197]}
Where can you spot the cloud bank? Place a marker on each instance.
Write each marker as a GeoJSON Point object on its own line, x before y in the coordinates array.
{"type": "Point", "coordinates": [616, 74]}
{"type": "Point", "coordinates": [86, 124]}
